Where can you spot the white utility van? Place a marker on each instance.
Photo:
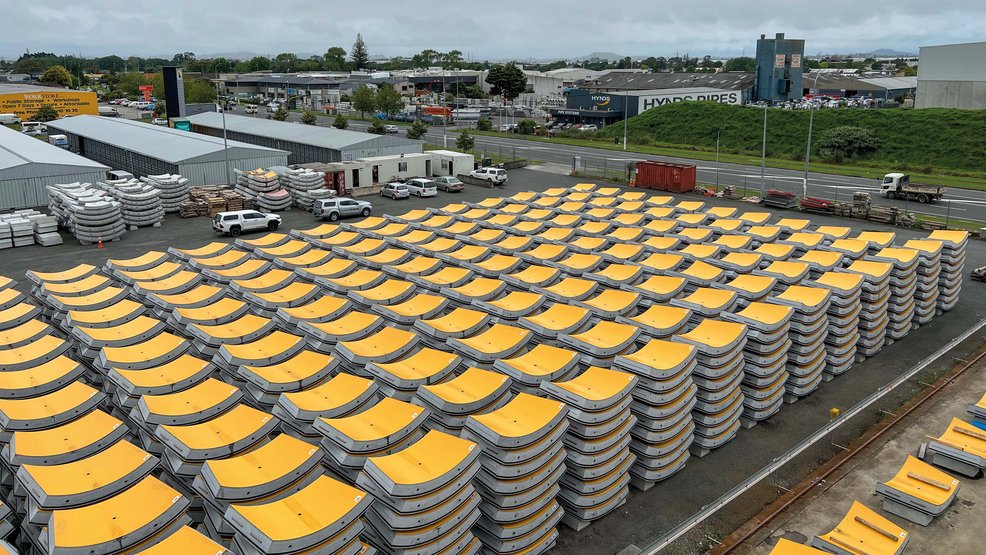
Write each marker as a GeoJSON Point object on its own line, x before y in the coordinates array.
{"type": "Point", "coordinates": [9, 119]}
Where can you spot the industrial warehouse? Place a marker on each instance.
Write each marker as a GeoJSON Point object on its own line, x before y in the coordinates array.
{"type": "Point", "coordinates": [304, 143]}
{"type": "Point", "coordinates": [143, 149]}
{"type": "Point", "coordinates": [27, 165]}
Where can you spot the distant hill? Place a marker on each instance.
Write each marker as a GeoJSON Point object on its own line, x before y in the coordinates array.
{"type": "Point", "coordinates": [912, 140]}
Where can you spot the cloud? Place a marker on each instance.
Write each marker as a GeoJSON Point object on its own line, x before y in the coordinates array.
{"type": "Point", "coordinates": [487, 30]}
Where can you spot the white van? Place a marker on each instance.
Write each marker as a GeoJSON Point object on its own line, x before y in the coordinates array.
{"type": "Point", "coordinates": [33, 128]}
{"type": "Point", "coordinates": [61, 141]}
{"type": "Point", "coordinates": [9, 119]}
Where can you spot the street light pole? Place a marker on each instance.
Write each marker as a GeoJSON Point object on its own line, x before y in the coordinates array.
{"type": "Point", "coordinates": [626, 110]}
{"type": "Point", "coordinates": [763, 154]}
{"type": "Point", "coordinates": [718, 132]}
{"type": "Point", "coordinates": [225, 143]}
{"type": "Point", "coordinates": [811, 121]}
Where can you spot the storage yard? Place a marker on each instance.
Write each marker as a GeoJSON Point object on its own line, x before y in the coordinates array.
{"type": "Point", "coordinates": [575, 352]}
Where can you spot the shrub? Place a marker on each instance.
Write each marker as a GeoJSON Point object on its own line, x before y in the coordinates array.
{"type": "Point", "coordinates": [847, 142]}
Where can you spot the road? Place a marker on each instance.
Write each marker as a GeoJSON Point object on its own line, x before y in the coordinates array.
{"type": "Point", "coordinates": [962, 204]}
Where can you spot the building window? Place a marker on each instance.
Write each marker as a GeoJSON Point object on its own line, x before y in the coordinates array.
{"type": "Point", "coordinates": [402, 166]}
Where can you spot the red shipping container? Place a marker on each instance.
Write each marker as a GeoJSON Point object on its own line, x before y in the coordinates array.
{"type": "Point", "coordinates": [664, 176]}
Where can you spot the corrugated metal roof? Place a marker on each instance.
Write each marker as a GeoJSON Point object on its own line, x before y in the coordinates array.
{"type": "Point", "coordinates": [155, 141]}
{"type": "Point", "coordinates": [8, 88]}
{"type": "Point", "coordinates": [317, 136]}
{"type": "Point", "coordinates": [18, 149]}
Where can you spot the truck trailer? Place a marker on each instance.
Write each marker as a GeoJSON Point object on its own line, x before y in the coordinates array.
{"type": "Point", "coordinates": [898, 185]}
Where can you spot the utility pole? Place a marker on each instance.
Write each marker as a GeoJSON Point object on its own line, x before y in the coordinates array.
{"type": "Point", "coordinates": [229, 173]}
{"type": "Point", "coordinates": [811, 121]}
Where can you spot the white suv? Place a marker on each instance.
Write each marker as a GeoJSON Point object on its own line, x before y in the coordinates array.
{"type": "Point", "coordinates": [421, 187]}
{"type": "Point", "coordinates": [496, 176]}
{"type": "Point", "coordinates": [234, 223]}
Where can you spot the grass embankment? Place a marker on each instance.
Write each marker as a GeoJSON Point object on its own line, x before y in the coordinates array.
{"type": "Point", "coordinates": [936, 146]}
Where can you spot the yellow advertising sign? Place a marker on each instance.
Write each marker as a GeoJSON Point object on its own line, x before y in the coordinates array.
{"type": "Point", "coordinates": [66, 103]}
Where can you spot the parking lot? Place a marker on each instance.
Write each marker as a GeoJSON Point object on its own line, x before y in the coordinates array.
{"type": "Point", "coordinates": [647, 515]}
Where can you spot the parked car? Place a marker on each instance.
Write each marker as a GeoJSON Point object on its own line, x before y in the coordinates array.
{"type": "Point", "coordinates": [589, 127]}
{"type": "Point", "coordinates": [160, 121]}
{"type": "Point", "coordinates": [421, 187]}
{"type": "Point", "coordinates": [449, 184]}
{"type": "Point", "coordinates": [391, 129]}
{"type": "Point", "coordinates": [251, 109]}
{"type": "Point", "coordinates": [9, 119]}
{"type": "Point", "coordinates": [33, 128]}
{"type": "Point", "coordinates": [495, 175]}
{"type": "Point", "coordinates": [334, 208]}
{"type": "Point", "coordinates": [236, 222]}
{"type": "Point", "coordinates": [395, 191]}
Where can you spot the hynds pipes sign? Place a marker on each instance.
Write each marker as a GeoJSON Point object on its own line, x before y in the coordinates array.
{"type": "Point", "coordinates": [655, 100]}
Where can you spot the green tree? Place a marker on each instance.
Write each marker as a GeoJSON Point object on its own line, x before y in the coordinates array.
{"type": "Point", "coordinates": [309, 118]}
{"type": "Point", "coordinates": [473, 91]}
{"type": "Point", "coordinates": [341, 122]}
{"type": "Point", "coordinates": [258, 63]}
{"type": "Point", "coordinates": [285, 61]}
{"type": "Point", "coordinates": [359, 54]}
{"type": "Point", "coordinates": [281, 114]}
{"type": "Point", "coordinates": [484, 124]}
{"type": "Point", "coordinates": [465, 142]}
{"type": "Point", "coordinates": [29, 66]}
{"type": "Point", "coordinates": [388, 100]}
{"type": "Point", "coordinates": [526, 126]}
{"type": "Point", "coordinates": [376, 128]}
{"type": "Point", "coordinates": [847, 142]}
{"type": "Point", "coordinates": [335, 58]}
{"type": "Point", "coordinates": [417, 130]}
{"type": "Point", "coordinates": [45, 113]}
{"type": "Point", "coordinates": [742, 63]}
{"type": "Point", "coordinates": [57, 74]}
{"type": "Point", "coordinates": [160, 108]}
{"type": "Point", "coordinates": [506, 80]}
{"type": "Point", "coordinates": [364, 100]}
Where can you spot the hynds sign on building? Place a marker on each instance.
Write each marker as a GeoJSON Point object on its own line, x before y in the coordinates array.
{"type": "Point", "coordinates": [66, 103]}
{"type": "Point", "coordinates": [648, 101]}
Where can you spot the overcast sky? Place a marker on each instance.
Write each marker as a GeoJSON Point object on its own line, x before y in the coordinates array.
{"type": "Point", "coordinates": [493, 29]}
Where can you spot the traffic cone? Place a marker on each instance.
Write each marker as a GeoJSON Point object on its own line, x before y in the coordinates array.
{"type": "Point", "coordinates": [99, 245]}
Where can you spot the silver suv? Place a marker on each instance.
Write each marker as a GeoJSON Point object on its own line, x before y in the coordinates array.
{"type": "Point", "coordinates": [335, 208]}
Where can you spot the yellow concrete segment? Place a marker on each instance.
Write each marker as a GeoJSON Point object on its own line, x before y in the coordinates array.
{"type": "Point", "coordinates": [727, 225]}
{"type": "Point", "coordinates": [607, 334]}
{"type": "Point", "coordinates": [341, 389]}
{"type": "Point", "coordinates": [83, 286]}
{"type": "Point", "coordinates": [418, 305]}
{"type": "Point", "coordinates": [764, 233]}
{"type": "Point", "coordinates": [243, 326]}
{"type": "Point", "coordinates": [160, 271]}
{"type": "Point", "coordinates": [710, 298]}
{"type": "Point", "coordinates": [558, 316]}
{"type": "Point", "coordinates": [579, 262]}
{"type": "Point", "coordinates": [721, 212]}
{"type": "Point", "coordinates": [499, 338]}
{"type": "Point", "coordinates": [100, 470]}
{"type": "Point", "coordinates": [631, 216]}
{"type": "Point", "coordinates": [543, 360]}
{"type": "Point", "coordinates": [422, 365]}
{"type": "Point", "coordinates": [198, 398]}
{"type": "Point", "coordinates": [863, 530]}
{"type": "Point", "coordinates": [965, 436]}
{"type": "Point", "coordinates": [584, 187]}
{"type": "Point", "coordinates": [109, 520]}
{"type": "Point", "coordinates": [834, 231]}
{"type": "Point", "coordinates": [499, 263]}
{"type": "Point", "coordinates": [690, 206]}
{"type": "Point", "coordinates": [659, 200]}
{"type": "Point", "coordinates": [357, 280]}
{"type": "Point", "coordinates": [378, 422]}
{"type": "Point", "coordinates": [613, 300]}
{"type": "Point", "coordinates": [951, 237]}
{"type": "Point", "coordinates": [755, 218]}
{"type": "Point", "coordinates": [276, 459]}
{"type": "Point", "coordinates": [440, 221]}
{"type": "Point", "coordinates": [186, 541]}
{"type": "Point", "coordinates": [72, 274]}
{"type": "Point", "coordinates": [177, 371]}
{"type": "Point", "coordinates": [418, 265]}
{"type": "Point", "coordinates": [382, 343]}
{"type": "Point", "coordinates": [237, 424]}
{"type": "Point", "coordinates": [624, 251]}
{"type": "Point", "coordinates": [182, 281]}
{"type": "Point", "coordinates": [139, 326]}
{"type": "Point", "coordinates": [547, 251]}
{"type": "Point", "coordinates": [330, 269]}
{"type": "Point", "coordinates": [565, 220]}
{"type": "Point", "coordinates": [318, 309]}
{"type": "Point", "coordinates": [923, 481]}
{"type": "Point", "coordinates": [422, 237]}
{"type": "Point", "coordinates": [636, 196]}
{"type": "Point", "coordinates": [662, 355]}
{"type": "Point", "coordinates": [785, 546]}
{"type": "Point", "coordinates": [339, 239]}
{"type": "Point", "coordinates": [319, 231]}
{"type": "Point", "coordinates": [703, 271]}
{"type": "Point", "coordinates": [854, 248]}
{"type": "Point", "coordinates": [793, 225]}
{"type": "Point", "coordinates": [767, 313]}
{"type": "Point", "coordinates": [599, 384]}
{"type": "Point", "coordinates": [479, 287]}
{"type": "Point", "coordinates": [877, 271]}
{"type": "Point", "coordinates": [805, 240]}
{"type": "Point", "coordinates": [524, 416]}
{"type": "Point", "coordinates": [808, 296]}
{"type": "Point", "coordinates": [701, 251]}
{"type": "Point", "coordinates": [661, 262]}
{"type": "Point", "coordinates": [218, 310]}
{"type": "Point", "coordinates": [828, 259]}
{"type": "Point", "coordinates": [39, 379]}
{"type": "Point", "coordinates": [470, 386]}
{"type": "Point", "coordinates": [40, 412]}
{"type": "Point", "coordinates": [373, 222]}
{"type": "Point", "coordinates": [715, 333]}
{"type": "Point", "coordinates": [82, 434]}
{"type": "Point", "coordinates": [878, 239]}
{"type": "Point", "coordinates": [268, 240]}
{"type": "Point", "coordinates": [589, 243]}
{"type": "Point", "coordinates": [926, 246]}
{"type": "Point", "coordinates": [696, 234]}
{"type": "Point", "coordinates": [594, 228]}
{"type": "Point", "coordinates": [775, 251]}
{"type": "Point", "coordinates": [23, 333]}
{"type": "Point", "coordinates": [691, 219]}
{"type": "Point", "coordinates": [458, 320]}
{"type": "Point", "coordinates": [304, 260]}
{"type": "Point", "coordinates": [243, 270]}
{"type": "Point", "coordinates": [455, 208]}
{"type": "Point", "coordinates": [119, 311]}
{"type": "Point", "coordinates": [38, 350]}
{"type": "Point", "coordinates": [601, 213]}
{"type": "Point", "coordinates": [222, 261]}
{"type": "Point", "coordinates": [272, 279]}
{"type": "Point", "coordinates": [294, 370]}
{"type": "Point", "coordinates": [390, 291]}
{"type": "Point", "coordinates": [448, 276]}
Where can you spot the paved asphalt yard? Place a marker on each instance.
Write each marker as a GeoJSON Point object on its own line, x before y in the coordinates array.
{"type": "Point", "coordinates": [648, 515]}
